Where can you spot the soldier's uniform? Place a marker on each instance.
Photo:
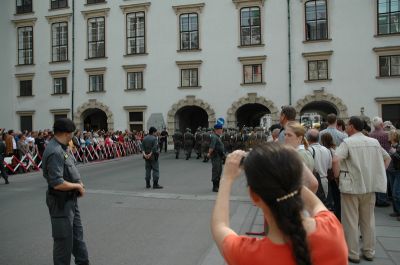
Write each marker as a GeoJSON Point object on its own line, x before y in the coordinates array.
{"type": "Point", "coordinates": [178, 142]}
{"type": "Point", "coordinates": [59, 166]}
{"type": "Point", "coordinates": [205, 144]}
{"type": "Point", "coordinates": [198, 137]}
{"type": "Point", "coordinates": [188, 143]}
{"type": "Point", "coordinates": [217, 157]}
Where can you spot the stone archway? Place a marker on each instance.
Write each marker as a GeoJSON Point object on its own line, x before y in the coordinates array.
{"type": "Point", "coordinates": [321, 96]}
{"type": "Point", "coordinates": [189, 101]}
{"type": "Point", "coordinates": [251, 98]}
{"type": "Point", "coordinates": [93, 104]}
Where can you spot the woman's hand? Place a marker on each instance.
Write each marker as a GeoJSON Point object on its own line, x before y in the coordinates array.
{"type": "Point", "coordinates": [232, 168]}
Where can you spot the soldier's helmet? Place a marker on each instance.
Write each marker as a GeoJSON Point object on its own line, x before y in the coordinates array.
{"type": "Point", "coordinates": [204, 129]}
{"type": "Point", "coordinates": [187, 129]}
{"type": "Point", "coordinates": [199, 128]}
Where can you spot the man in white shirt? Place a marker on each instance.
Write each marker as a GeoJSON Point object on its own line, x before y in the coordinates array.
{"type": "Point", "coordinates": [322, 158]}
{"type": "Point", "coordinates": [362, 173]}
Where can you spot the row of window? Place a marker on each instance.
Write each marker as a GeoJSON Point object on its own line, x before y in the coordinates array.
{"type": "Point", "coordinates": [25, 6]}
{"type": "Point", "coordinates": [316, 28]}
{"type": "Point", "coordinates": [189, 77]}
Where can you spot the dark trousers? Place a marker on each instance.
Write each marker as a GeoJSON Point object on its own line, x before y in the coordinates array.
{"type": "Point", "coordinates": [163, 143]}
{"type": "Point", "coordinates": [216, 171]}
{"type": "Point", "coordinates": [3, 170]}
{"type": "Point", "coordinates": [335, 192]}
{"type": "Point", "coordinates": [152, 165]}
{"type": "Point", "coordinates": [67, 232]}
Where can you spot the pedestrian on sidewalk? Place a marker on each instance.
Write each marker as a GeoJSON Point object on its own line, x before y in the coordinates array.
{"type": "Point", "coordinates": [274, 177]}
{"type": "Point", "coordinates": [150, 155]}
{"type": "Point", "coordinates": [64, 188]}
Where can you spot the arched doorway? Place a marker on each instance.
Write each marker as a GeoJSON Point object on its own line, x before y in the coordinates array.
{"type": "Point", "coordinates": [249, 115]}
{"type": "Point", "coordinates": [249, 109]}
{"type": "Point", "coordinates": [322, 108]}
{"type": "Point", "coordinates": [191, 117]}
{"type": "Point", "coordinates": [323, 103]}
{"type": "Point", "coordinates": [94, 119]}
{"type": "Point", "coordinates": [92, 104]}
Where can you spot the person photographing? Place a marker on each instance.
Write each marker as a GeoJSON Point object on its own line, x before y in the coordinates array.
{"type": "Point", "coordinates": [301, 229]}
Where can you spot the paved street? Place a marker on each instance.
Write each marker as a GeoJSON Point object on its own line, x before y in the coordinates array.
{"type": "Point", "coordinates": [125, 223]}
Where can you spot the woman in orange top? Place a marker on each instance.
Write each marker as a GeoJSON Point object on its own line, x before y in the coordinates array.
{"type": "Point", "coordinates": [301, 230]}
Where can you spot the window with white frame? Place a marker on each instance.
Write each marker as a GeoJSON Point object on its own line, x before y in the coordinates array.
{"type": "Point", "coordinates": [24, 6]}
{"type": "Point", "coordinates": [316, 17]}
{"type": "Point", "coordinates": [96, 37]}
{"type": "Point", "coordinates": [56, 4]}
{"type": "Point", "coordinates": [252, 73]}
{"type": "Point", "coordinates": [25, 45]}
{"type": "Point", "coordinates": [189, 26]}
{"type": "Point", "coordinates": [135, 80]}
{"type": "Point", "coordinates": [317, 70]}
{"type": "Point", "coordinates": [189, 77]}
{"type": "Point", "coordinates": [135, 35]}
{"type": "Point", "coordinates": [96, 83]}
{"type": "Point", "coordinates": [388, 17]}
{"type": "Point", "coordinates": [388, 61]}
{"type": "Point", "coordinates": [189, 31]}
{"type": "Point", "coordinates": [250, 26]}
{"type": "Point", "coordinates": [189, 73]}
{"type": "Point", "coordinates": [253, 69]}
{"type": "Point", "coordinates": [25, 82]}
{"type": "Point", "coordinates": [59, 41]}
{"type": "Point", "coordinates": [60, 85]}
{"type": "Point", "coordinates": [317, 66]}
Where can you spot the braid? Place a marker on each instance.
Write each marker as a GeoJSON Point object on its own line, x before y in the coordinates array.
{"type": "Point", "coordinates": [288, 218]}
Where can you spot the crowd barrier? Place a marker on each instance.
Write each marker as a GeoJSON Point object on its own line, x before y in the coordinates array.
{"type": "Point", "coordinates": [32, 161]}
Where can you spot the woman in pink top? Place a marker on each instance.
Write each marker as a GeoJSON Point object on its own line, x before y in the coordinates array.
{"type": "Point", "coordinates": [301, 230]}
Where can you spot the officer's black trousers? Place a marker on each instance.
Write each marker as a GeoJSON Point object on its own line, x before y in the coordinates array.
{"type": "Point", "coordinates": [67, 232]}
{"type": "Point", "coordinates": [216, 170]}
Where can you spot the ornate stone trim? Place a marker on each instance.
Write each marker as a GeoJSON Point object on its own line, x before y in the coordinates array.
{"type": "Point", "coordinates": [251, 98]}
{"type": "Point", "coordinates": [61, 73]}
{"type": "Point", "coordinates": [103, 12]}
{"type": "Point", "coordinates": [25, 112]}
{"type": "Point", "coordinates": [241, 3]}
{"type": "Point", "coordinates": [60, 111]}
{"type": "Point", "coordinates": [253, 59]}
{"type": "Point", "coordinates": [192, 8]}
{"type": "Point", "coordinates": [135, 7]}
{"type": "Point", "coordinates": [317, 54]}
{"type": "Point", "coordinates": [320, 95]}
{"type": "Point", "coordinates": [27, 22]}
{"type": "Point", "coordinates": [93, 104]}
{"type": "Point", "coordinates": [194, 63]}
{"type": "Point", "coordinates": [189, 101]}
{"type": "Point", "coordinates": [25, 76]}
{"type": "Point", "coordinates": [59, 18]}
{"type": "Point", "coordinates": [134, 67]}
{"type": "Point", "coordinates": [386, 49]}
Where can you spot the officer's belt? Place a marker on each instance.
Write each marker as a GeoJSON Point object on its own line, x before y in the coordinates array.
{"type": "Point", "coordinates": [65, 195]}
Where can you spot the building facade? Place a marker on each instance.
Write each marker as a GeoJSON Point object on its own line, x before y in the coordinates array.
{"type": "Point", "coordinates": [121, 64]}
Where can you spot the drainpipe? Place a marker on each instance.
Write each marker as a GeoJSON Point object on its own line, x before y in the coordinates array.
{"type": "Point", "coordinates": [289, 54]}
{"type": "Point", "coordinates": [73, 60]}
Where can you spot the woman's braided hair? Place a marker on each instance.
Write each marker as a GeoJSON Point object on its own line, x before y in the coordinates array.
{"type": "Point", "coordinates": [274, 171]}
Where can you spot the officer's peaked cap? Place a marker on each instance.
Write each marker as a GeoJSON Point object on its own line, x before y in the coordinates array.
{"type": "Point", "coordinates": [64, 125]}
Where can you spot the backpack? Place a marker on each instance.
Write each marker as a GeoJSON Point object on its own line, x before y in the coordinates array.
{"type": "Point", "coordinates": [320, 192]}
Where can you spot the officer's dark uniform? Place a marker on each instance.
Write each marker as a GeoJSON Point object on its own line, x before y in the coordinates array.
{"type": "Point", "coordinates": [2, 155]}
{"type": "Point", "coordinates": [205, 144]}
{"type": "Point", "coordinates": [150, 145]}
{"type": "Point", "coordinates": [67, 230]}
{"type": "Point", "coordinates": [178, 142]}
{"type": "Point", "coordinates": [217, 157]}
{"type": "Point", "coordinates": [163, 140]}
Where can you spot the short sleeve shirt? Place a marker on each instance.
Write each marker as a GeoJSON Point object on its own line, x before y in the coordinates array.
{"type": "Point", "coordinates": [327, 246]}
{"type": "Point", "coordinates": [58, 165]}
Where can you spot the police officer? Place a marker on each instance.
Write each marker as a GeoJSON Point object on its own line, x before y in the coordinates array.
{"type": "Point", "coordinates": [205, 144]}
{"type": "Point", "coordinates": [216, 153]}
{"type": "Point", "coordinates": [64, 188]}
{"type": "Point", "coordinates": [177, 137]}
{"type": "Point", "coordinates": [150, 154]}
{"type": "Point", "coordinates": [2, 155]}
{"type": "Point", "coordinates": [164, 140]}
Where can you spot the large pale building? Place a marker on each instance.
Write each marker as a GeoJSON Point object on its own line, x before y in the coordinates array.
{"type": "Point", "coordinates": [120, 64]}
